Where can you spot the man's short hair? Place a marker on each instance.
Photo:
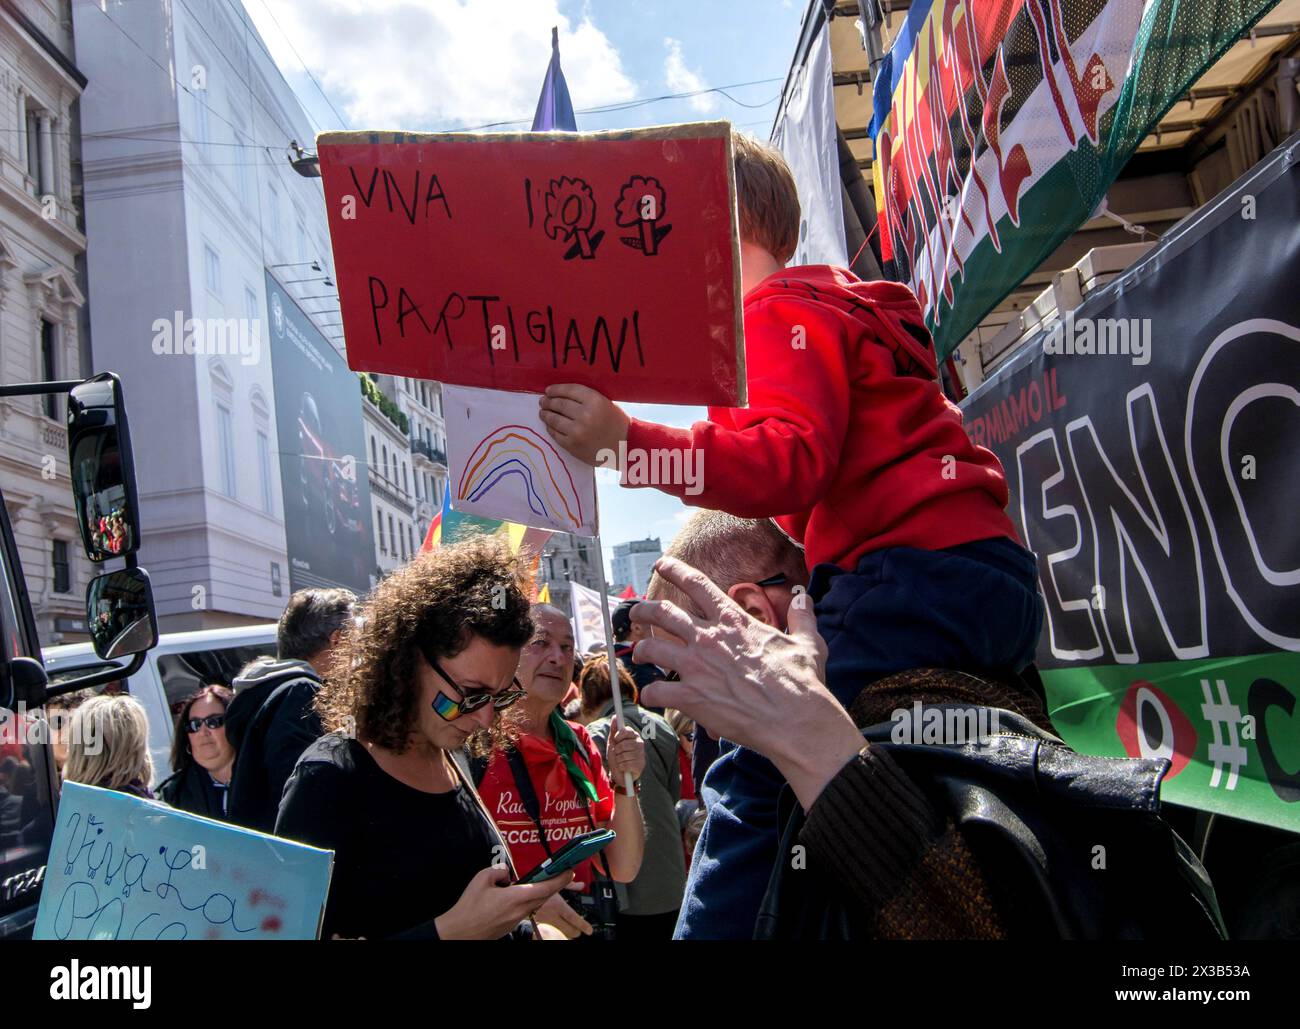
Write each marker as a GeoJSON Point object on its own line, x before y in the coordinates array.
{"type": "Point", "coordinates": [767, 199]}
{"type": "Point", "coordinates": [729, 550]}
{"type": "Point", "coordinates": [310, 618]}
{"type": "Point", "coordinates": [621, 620]}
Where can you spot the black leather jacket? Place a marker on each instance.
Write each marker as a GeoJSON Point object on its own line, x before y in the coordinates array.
{"type": "Point", "coordinates": [1033, 812]}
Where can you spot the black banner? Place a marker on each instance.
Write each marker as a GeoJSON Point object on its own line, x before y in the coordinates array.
{"type": "Point", "coordinates": [1151, 442]}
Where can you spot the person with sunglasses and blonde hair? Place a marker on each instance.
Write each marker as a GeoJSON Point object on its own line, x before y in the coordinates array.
{"type": "Point", "coordinates": [426, 668]}
{"type": "Point", "coordinates": [108, 746]}
{"type": "Point", "coordinates": [203, 760]}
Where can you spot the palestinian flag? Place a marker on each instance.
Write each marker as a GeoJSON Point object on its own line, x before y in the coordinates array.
{"type": "Point", "coordinates": [1000, 124]}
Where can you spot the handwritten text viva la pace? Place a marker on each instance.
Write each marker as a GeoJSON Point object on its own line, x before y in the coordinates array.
{"type": "Point", "coordinates": [96, 903]}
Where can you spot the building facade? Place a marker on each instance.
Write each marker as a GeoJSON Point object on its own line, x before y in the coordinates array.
{"type": "Point", "coordinates": [42, 295]}
{"type": "Point", "coordinates": [388, 453]}
{"type": "Point", "coordinates": [633, 563]}
{"type": "Point", "coordinates": [420, 401]}
{"type": "Point", "coordinates": [567, 558]}
{"type": "Point", "coordinates": [190, 203]}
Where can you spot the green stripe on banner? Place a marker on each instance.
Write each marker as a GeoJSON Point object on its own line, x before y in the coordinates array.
{"type": "Point", "coordinates": [1230, 727]}
{"type": "Point", "coordinates": [1055, 200]}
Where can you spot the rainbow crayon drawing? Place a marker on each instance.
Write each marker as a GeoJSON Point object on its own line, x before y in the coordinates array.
{"type": "Point", "coordinates": [503, 464]}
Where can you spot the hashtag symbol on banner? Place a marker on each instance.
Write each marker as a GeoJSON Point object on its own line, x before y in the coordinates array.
{"type": "Point", "coordinates": [1223, 751]}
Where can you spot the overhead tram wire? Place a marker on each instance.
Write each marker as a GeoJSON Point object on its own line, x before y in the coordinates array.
{"type": "Point", "coordinates": [248, 72]}
{"type": "Point", "coordinates": [177, 82]}
{"type": "Point", "coordinates": [627, 105]}
{"type": "Point", "coordinates": [343, 122]}
{"type": "Point", "coordinates": [245, 20]}
{"type": "Point", "coordinates": [273, 148]}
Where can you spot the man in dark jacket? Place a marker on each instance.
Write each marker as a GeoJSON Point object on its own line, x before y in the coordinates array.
{"type": "Point", "coordinates": [272, 719]}
{"type": "Point", "coordinates": [941, 806]}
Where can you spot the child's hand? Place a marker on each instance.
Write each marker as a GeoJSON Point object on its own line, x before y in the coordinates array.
{"type": "Point", "coordinates": [583, 422]}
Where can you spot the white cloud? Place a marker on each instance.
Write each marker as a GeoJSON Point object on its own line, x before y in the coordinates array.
{"type": "Point", "coordinates": [404, 65]}
{"type": "Point", "coordinates": [681, 79]}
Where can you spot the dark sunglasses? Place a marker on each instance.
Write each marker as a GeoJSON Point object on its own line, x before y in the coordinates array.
{"type": "Point", "coordinates": [449, 709]}
{"type": "Point", "coordinates": [213, 722]}
{"type": "Point", "coordinates": [778, 579]}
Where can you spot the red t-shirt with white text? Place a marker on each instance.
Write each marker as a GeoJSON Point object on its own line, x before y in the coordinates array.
{"type": "Point", "coordinates": [564, 812]}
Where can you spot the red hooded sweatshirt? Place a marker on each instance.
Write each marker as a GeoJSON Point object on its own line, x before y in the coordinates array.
{"type": "Point", "coordinates": [848, 441]}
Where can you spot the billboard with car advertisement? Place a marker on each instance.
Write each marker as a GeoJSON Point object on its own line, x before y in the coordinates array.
{"type": "Point", "coordinates": [322, 452]}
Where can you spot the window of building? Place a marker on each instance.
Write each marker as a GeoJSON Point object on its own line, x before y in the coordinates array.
{"type": "Point", "coordinates": [202, 123]}
{"type": "Point", "coordinates": [374, 460]}
{"type": "Point", "coordinates": [33, 141]}
{"type": "Point", "coordinates": [251, 308]}
{"type": "Point", "coordinates": [264, 471]}
{"type": "Point", "coordinates": [379, 521]}
{"type": "Point", "coordinates": [49, 367]}
{"type": "Point", "coordinates": [240, 157]}
{"type": "Point", "coordinates": [403, 541]}
{"type": "Point", "coordinates": [406, 479]}
{"type": "Point", "coordinates": [62, 570]}
{"type": "Point", "coordinates": [273, 216]}
{"type": "Point", "coordinates": [212, 270]}
{"type": "Point", "coordinates": [392, 536]}
{"type": "Point", "coordinates": [41, 176]}
{"type": "Point", "coordinates": [385, 465]}
{"type": "Point", "coordinates": [226, 449]}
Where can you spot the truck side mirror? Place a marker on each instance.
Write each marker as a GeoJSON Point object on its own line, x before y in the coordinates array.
{"type": "Point", "coordinates": [120, 614]}
{"type": "Point", "coordinates": [103, 478]}
{"type": "Point", "coordinates": [22, 682]}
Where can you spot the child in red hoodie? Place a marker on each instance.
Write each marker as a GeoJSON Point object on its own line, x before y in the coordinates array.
{"type": "Point", "coordinates": [851, 447]}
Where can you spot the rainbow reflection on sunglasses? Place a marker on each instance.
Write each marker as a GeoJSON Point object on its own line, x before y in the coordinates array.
{"type": "Point", "coordinates": [450, 709]}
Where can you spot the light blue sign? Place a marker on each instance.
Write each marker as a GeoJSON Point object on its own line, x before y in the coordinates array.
{"type": "Point", "coordinates": [123, 868]}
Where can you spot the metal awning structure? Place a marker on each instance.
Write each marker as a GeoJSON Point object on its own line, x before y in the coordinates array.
{"type": "Point", "coordinates": [1216, 132]}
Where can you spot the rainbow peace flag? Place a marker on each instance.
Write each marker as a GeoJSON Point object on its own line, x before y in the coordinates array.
{"type": "Point", "coordinates": [448, 526]}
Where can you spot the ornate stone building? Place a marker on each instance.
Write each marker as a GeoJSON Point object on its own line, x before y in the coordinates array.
{"type": "Point", "coordinates": [42, 292]}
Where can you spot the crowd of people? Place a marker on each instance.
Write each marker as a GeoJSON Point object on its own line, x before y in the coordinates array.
{"type": "Point", "coordinates": [442, 738]}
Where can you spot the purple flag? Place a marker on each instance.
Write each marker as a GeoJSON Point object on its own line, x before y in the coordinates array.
{"type": "Point", "coordinates": [554, 108]}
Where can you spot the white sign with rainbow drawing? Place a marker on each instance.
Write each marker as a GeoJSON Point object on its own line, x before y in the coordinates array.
{"type": "Point", "coordinates": [502, 463]}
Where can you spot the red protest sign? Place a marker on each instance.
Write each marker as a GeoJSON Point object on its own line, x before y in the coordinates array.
{"type": "Point", "coordinates": [517, 260]}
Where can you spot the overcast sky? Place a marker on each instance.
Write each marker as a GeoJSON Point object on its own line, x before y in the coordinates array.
{"type": "Point", "coordinates": [456, 64]}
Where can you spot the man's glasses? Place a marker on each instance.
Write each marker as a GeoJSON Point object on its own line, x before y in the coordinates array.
{"type": "Point", "coordinates": [213, 722]}
{"type": "Point", "coordinates": [779, 579]}
{"type": "Point", "coordinates": [449, 709]}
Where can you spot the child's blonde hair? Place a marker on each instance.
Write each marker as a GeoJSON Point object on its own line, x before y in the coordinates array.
{"type": "Point", "coordinates": [767, 199]}
{"type": "Point", "coordinates": [109, 743]}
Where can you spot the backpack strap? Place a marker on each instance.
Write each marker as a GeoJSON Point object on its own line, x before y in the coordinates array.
{"type": "Point", "coordinates": [528, 795]}
{"type": "Point", "coordinates": [533, 808]}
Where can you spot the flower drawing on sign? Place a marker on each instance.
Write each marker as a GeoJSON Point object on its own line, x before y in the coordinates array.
{"type": "Point", "coordinates": [570, 215]}
{"type": "Point", "coordinates": [642, 204]}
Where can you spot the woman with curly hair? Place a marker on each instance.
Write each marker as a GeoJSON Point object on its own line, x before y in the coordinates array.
{"type": "Point", "coordinates": [427, 665]}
